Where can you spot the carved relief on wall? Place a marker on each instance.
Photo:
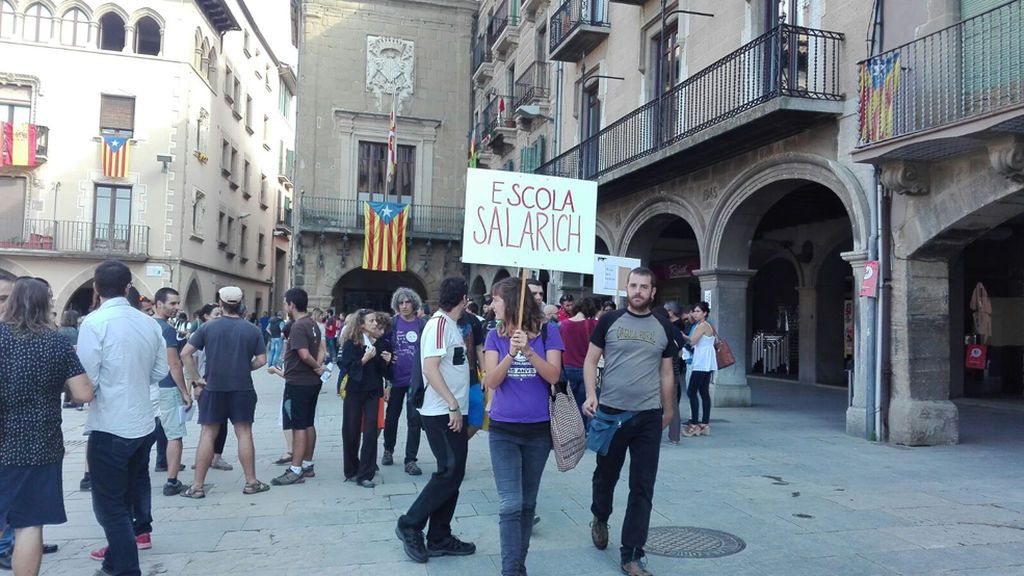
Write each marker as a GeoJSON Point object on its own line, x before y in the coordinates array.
{"type": "Point", "coordinates": [389, 68]}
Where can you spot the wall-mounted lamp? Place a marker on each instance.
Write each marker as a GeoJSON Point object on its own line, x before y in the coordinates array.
{"type": "Point", "coordinates": [166, 159]}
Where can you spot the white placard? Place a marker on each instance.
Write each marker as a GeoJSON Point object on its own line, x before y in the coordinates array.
{"type": "Point", "coordinates": [155, 270]}
{"type": "Point", "coordinates": [606, 273]}
{"type": "Point", "coordinates": [521, 220]}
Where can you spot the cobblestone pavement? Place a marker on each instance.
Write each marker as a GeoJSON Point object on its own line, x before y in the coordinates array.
{"type": "Point", "coordinates": [806, 499]}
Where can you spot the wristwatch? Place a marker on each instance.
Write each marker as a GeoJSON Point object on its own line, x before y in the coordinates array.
{"type": "Point", "coordinates": [453, 410]}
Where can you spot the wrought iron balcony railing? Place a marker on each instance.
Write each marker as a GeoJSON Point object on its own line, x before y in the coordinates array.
{"type": "Point", "coordinates": [532, 85]}
{"type": "Point", "coordinates": [499, 22]}
{"type": "Point", "coordinates": [497, 114]}
{"type": "Point", "coordinates": [573, 14]}
{"type": "Point", "coordinates": [65, 236]}
{"type": "Point", "coordinates": [344, 215]}
{"type": "Point", "coordinates": [481, 55]}
{"type": "Point", "coordinates": [970, 69]}
{"type": "Point", "coordinates": [787, 61]}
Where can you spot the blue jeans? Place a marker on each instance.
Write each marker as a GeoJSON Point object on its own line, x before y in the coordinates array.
{"type": "Point", "coordinates": [276, 344]}
{"type": "Point", "coordinates": [574, 376]}
{"type": "Point", "coordinates": [6, 539]}
{"type": "Point", "coordinates": [121, 496]}
{"type": "Point", "coordinates": [332, 348]}
{"type": "Point", "coordinates": [518, 463]}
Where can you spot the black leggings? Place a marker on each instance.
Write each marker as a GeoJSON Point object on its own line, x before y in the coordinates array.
{"type": "Point", "coordinates": [700, 383]}
{"type": "Point", "coordinates": [222, 437]}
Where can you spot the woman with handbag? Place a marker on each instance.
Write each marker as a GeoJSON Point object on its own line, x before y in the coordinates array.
{"type": "Point", "coordinates": [521, 363]}
{"type": "Point", "coordinates": [704, 363]}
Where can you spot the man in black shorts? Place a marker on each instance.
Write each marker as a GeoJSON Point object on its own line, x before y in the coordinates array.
{"type": "Point", "coordinates": [234, 348]}
{"type": "Point", "coordinates": [303, 365]}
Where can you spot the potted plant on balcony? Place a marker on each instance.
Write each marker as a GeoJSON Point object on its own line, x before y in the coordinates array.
{"type": "Point", "coordinates": [201, 156]}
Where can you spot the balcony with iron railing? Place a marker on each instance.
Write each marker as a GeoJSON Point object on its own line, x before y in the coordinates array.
{"type": "Point", "coordinates": [499, 124]}
{"type": "Point", "coordinates": [532, 87]}
{"type": "Point", "coordinates": [529, 8]}
{"type": "Point", "coordinates": [483, 62]}
{"type": "Point", "coordinates": [322, 214]}
{"type": "Point", "coordinates": [86, 239]}
{"type": "Point", "coordinates": [576, 27]}
{"type": "Point", "coordinates": [943, 92]}
{"type": "Point", "coordinates": [773, 87]}
{"type": "Point", "coordinates": [19, 160]}
{"type": "Point", "coordinates": [503, 29]}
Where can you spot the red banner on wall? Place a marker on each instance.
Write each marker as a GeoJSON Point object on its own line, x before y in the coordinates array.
{"type": "Point", "coordinates": [869, 285]}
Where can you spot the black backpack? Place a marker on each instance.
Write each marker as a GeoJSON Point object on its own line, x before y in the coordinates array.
{"type": "Point", "coordinates": [417, 387]}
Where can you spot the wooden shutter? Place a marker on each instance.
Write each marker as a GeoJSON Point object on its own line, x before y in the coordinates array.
{"type": "Point", "coordinates": [117, 113]}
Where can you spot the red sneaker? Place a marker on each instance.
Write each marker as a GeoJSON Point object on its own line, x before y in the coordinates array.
{"type": "Point", "coordinates": [142, 542]}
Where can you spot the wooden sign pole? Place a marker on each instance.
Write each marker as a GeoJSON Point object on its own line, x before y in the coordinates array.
{"type": "Point", "coordinates": [522, 298]}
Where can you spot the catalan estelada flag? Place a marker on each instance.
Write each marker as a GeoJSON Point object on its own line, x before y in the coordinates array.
{"type": "Point", "coordinates": [114, 156]}
{"type": "Point", "coordinates": [384, 244]}
{"type": "Point", "coordinates": [879, 84]}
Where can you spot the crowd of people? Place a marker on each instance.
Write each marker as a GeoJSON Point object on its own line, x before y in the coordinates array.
{"type": "Point", "coordinates": [143, 368]}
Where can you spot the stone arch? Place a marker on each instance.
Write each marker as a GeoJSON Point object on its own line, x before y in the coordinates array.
{"type": "Point", "coordinates": [375, 289]}
{"type": "Point", "coordinates": [148, 13]}
{"type": "Point", "coordinates": [745, 199]}
{"type": "Point", "coordinates": [113, 28]}
{"type": "Point", "coordinates": [499, 275]}
{"type": "Point", "coordinates": [478, 287]}
{"type": "Point", "coordinates": [604, 233]}
{"type": "Point", "coordinates": [13, 267]}
{"type": "Point", "coordinates": [149, 32]}
{"type": "Point", "coordinates": [660, 206]}
{"type": "Point", "coordinates": [69, 4]}
{"type": "Point", "coordinates": [829, 245]}
{"type": "Point", "coordinates": [192, 297]}
{"type": "Point", "coordinates": [84, 278]}
{"type": "Point", "coordinates": [105, 9]}
{"type": "Point", "coordinates": [778, 252]}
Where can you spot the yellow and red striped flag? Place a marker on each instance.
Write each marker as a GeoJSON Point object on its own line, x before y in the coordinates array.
{"type": "Point", "coordinates": [384, 244]}
{"type": "Point", "coordinates": [114, 156]}
{"type": "Point", "coordinates": [19, 144]}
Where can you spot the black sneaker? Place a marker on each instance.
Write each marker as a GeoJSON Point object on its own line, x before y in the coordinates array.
{"type": "Point", "coordinates": [412, 541]}
{"type": "Point", "coordinates": [388, 459]}
{"type": "Point", "coordinates": [174, 489]}
{"type": "Point", "coordinates": [412, 469]}
{"type": "Point", "coordinates": [450, 546]}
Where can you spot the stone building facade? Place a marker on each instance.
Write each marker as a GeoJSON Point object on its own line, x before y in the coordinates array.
{"type": "Point", "coordinates": [356, 61]}
{"type": "Point", "coordinates": [202, 101]}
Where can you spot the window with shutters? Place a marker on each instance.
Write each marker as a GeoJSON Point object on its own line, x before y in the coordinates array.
{"type": "Point", "coordinates": [245, 180]}
{"type": "Point", "coordinates": [372, 182]}
{"type": "Point", "coordinates": [15, 104]}
{"type": "Point", "coordinates": [248, 114]}
{"type": "Point", "coordinates": [225, 157]}
{"type": "Point", "coordinates": [117, 115]}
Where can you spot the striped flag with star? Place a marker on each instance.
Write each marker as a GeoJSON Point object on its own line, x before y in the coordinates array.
{"type": "Point", "coordinates": [114, 156]}
{"type": "Point", "coordinates": [384, 239]}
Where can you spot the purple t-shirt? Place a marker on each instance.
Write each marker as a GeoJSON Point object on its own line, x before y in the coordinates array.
{"type": "Point", "coordinates": [523, 396]}
{"type": "Point", "coordinates": [407, 349]}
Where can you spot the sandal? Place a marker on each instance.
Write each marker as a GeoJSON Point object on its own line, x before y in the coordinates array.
{"type": "Point", "coordinates": [284, 460]}
{"type": "Point", "coordinates": [705, 430]}
{"type": "Point", "coordinates": [194, 492]}
{"type": "Point", "coordinates": [255, 488]}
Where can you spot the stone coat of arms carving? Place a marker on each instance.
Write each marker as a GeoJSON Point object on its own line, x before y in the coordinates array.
{"type": "Point", "coordinates": [389, 68]}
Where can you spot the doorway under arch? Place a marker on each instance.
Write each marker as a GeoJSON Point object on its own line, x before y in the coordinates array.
{"type": "Point", "coordinates": [372, 289]}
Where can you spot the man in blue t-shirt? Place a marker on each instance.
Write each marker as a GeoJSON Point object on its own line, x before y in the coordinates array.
{"type": "Point", "coordinates": [174, 394]}
{"type": "Point", "coordinates": [405, 341]}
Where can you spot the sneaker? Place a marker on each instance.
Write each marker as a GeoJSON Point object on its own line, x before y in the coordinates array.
{"type": "Point", "coordinates": [636, 568]}
{"type": "Point", "coordinates": [175, 488]}
{"type": "Point", "coordinates": [220, 464]}
{"type": "Point", "coordinates": [412, 541]}
{"type": "Point", "coordinates": [366, 483]}
{"type": "Point", "coordinates": [599, 533]}
{"type": "Point", "coordinates": [388, 459]}
{"type": "Point", "coordinates": [86, 484]}
{"type": "Point", "coordinates": [450, 546]}
{"type": "Point", "coordinates": [536, 520]}
{"type": "Point", "coordinates": [309, 472]}
{"type": "Point", "coordinates": [288, 478]}
{"type": "Point", "coordinates": [142, 542]}
{"type": "Point", "coordinates": [50, 548]}
{"type": "Point", "coordinates": [412, 469]}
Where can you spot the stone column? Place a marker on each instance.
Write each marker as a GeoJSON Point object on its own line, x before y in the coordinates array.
{"type": "Point", "coordinates": [727, 290]}
{"type": "Point", "coordinates": [920, 412]}
{"type": "Point", "coordinates": [129, 40]}
{"type": "Point", "coordinates": [808, 322]}
{"type": "Point", "coordinates": [864, 338]}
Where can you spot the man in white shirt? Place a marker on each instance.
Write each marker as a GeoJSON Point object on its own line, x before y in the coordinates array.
{"type": "Point", "coordinates": [122, 351]}
{"type": "Point", "coordinates": [445, 403]}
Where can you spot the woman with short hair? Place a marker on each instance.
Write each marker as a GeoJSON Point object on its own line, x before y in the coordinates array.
{"type": "Point", "coordinates": [31, 441]}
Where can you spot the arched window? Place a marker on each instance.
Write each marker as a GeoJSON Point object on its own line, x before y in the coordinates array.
{"type": "Point", "coordinates": [204, 67]}
{"type": "Point", "coordinates": [74, 28]}
{"type": "Point", "coordinates": [38, 23]}
{"type": "Point", "coordinates": [147, 36]}
{"type": "Point", "coordinates": [7, 16]}
{"type": "Point", "coordinates": [111, 32]}
{"type": "Point", "coordinates": [211, 68]}
{"type": "Point", "coordinates": [197, 58]}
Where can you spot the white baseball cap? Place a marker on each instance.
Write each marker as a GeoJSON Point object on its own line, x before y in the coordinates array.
{"type": "Point", "coordinates": [230, 294]}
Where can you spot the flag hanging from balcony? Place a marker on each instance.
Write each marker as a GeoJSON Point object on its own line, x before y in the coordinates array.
{"type": "Point", "coordinates": [392, 149]}
{"type": "Point", "coordinates": [17, 145]}
{"type": "Point", "coordinates": [472, 149]}
{"type": "Point", "coordinates": [879, 82]}
{"type": "Point", "coordinates": [384, 238]}
{"type": "Point", "coordinates": [114, 156]}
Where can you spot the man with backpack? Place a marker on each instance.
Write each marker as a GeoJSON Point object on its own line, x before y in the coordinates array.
{"type": "Point", "coordinates": [407, 327]}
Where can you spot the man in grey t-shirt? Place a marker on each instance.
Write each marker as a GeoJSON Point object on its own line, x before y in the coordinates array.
{"type": "Point", "coordinates": [234, 348]}
{"type": "Point", "coordinates": [637, 389]}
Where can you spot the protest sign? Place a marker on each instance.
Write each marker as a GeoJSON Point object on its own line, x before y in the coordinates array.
{"type": "Point", "coordinates": [610, 273]}
{"type": "Point", "coordinates": [529, 221]}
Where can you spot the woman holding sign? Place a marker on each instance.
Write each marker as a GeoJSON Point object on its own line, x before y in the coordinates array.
{"type": "Point", "coordinates": [522, 359]}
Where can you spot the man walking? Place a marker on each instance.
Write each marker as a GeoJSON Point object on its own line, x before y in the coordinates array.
{"type": "Point", "coordinates": [123, 353]}
{"type": "Point", "coordinates": [234, 349]}
{"type": "Point", "coordinates": [406, 330]}
{"type": "Point", "coordinates": [445, 404]}
{"type": "Point", "coordinates": [637, 392]}
{"type": "Point", "coordinates": [174, 393]}
{"type": "Point", "coordinates": [303, 365]}
{"type": "Point", "coordinates": [274, 330]}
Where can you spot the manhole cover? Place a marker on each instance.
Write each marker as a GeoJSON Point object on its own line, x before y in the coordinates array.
{"type": "Point", "coordinates": [692, 542]}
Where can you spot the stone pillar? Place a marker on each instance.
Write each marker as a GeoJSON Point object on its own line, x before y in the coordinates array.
{"type": "Point", "coordinates": [129, 40]}
{"type": "Point", "coordinates": [864, 339]}
{"type": "Point", "coordinates": [726, 292]}
{"type": "Point", "coordinates": [808, 322]}
{"type": "Point", "coordinates": [920, 412]}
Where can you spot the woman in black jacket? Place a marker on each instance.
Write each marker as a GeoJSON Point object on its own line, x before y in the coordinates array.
{"type": "Point", "coordinates": [367, 364]}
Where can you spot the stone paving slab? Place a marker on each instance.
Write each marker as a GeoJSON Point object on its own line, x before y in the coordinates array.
{"type": "Point", "coordinates": [806, 498]}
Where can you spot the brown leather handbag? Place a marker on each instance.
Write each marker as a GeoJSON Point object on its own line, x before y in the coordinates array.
{"type": "Point", "coordinates": [723, 354]}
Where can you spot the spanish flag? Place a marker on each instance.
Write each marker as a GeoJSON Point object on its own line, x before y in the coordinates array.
{"type": "Point", "coordinates": [18, 145]}
{"type": "Point", "coordinates": [114, 156]}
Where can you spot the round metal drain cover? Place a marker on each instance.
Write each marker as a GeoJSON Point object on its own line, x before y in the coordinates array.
{"type": "Point", "coordinates": [692, 542]}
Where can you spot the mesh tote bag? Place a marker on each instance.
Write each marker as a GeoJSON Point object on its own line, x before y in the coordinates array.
{"type": "Point", "coordinates": [568, 436]}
